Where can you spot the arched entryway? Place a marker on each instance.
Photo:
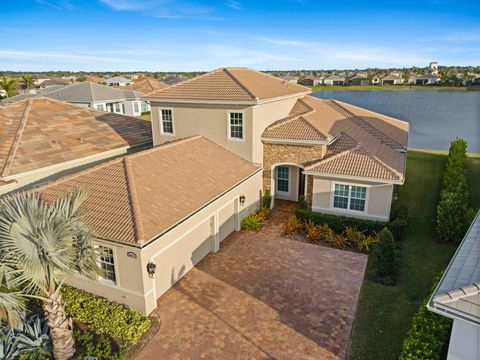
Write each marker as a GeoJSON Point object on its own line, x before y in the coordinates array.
{"type": "Point", "coordinates": [287, 182]}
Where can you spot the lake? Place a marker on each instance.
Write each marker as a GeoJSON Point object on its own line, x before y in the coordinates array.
{"type": "Point", "coordinates": [435, 117]}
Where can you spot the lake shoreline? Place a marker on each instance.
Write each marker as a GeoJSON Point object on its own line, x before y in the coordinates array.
{"type": "Point", "coordinates": [392, 88]}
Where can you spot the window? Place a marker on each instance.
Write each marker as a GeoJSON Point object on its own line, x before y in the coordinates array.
{"type": "Point", "coordinates": [236, 125]}
{"type": "Point", "coordinates": [136, 107]}
{"type": "Point", "coordinates": [349, 197]}
{"type": "Point", "coordinates": [107, 263]}
{"type": "Point", "coordinates": [100, 107]}
{"type": "Point", "coordinates": [117, 107]}
{"type": "Point", "coordinates": [282, 178]}
{"type": "Point", "coordinates": [145, 107]}
{"type": "Point", "coordinates": [167, 121]}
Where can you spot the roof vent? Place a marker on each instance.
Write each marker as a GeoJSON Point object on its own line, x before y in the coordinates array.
{"type": "Point", "coordinates": [80, 140]}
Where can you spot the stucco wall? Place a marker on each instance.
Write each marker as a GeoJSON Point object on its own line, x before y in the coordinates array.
{"type": "Point", "coordinates": [378, 204]}
{"type": "Point", "coordinates": [464, 341]}
{"type": "Point", "coordinates": [210, 121]}
{"type": "Point", "coordinates": [263, 116]}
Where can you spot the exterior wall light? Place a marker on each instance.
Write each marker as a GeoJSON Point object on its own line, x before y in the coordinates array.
{"type": "Point", "coordinates": [151, 269]}
{"type": "Point", "coordinates": [242, 200]}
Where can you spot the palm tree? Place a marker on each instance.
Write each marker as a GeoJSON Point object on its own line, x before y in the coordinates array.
{"type": "Point", "coordinates": [28, 81]}
{"type": "Point", "coordinates": [12, 300]}
{"type": "Point", "coordinates": [9, 85]}
{"type": "Point", "coordinates": [45, 242]}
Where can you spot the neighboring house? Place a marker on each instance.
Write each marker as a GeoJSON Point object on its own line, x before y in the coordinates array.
{"type": "Point", "coordinates": [412, 79]}
{"type": "Point", "coordinates": [173, 79]}
{"type": "Point", "coordinates": [392, 79]}
{"type": "Point", "coordinates": [145, 86]}
{"type": "Point", "coordinates": [311, 80]}
{"type": "Point", "coordinates": [344, 159]}
{"type": "Point", "coordinates": [159, 212]}
{"type": "Point", "coordinates": [53, 82]}
{"type": "Point", "coordinates": [476, 81]}
{"type": "Point", "coordinates": [334, 80]}
{"type": "Point", "coordinates": [457, 297]}
{"type": "Point", "coordinates": [427, 79]}
{"type": "Point", "coordinates": [43, 138]}
{"type": "Point", "coordinates": [118, 81]}
{"type": "Point", "coordinates": [100, 97]}
{"type": "Point", "coordinates": [290, 78]}
{"type": "Point", "coordinates": [360, 80]}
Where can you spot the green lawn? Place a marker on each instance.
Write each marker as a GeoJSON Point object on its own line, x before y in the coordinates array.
{"type": "Point", "coordinates": [384, 313]}
{"type": "Point", "coordinates": [395, 87]}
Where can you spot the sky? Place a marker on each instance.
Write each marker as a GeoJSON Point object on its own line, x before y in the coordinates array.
{"type": "Point", "coordinates": [191, 35]}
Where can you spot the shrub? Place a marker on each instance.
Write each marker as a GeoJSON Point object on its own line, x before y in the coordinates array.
{"type": "Point", "coordinates": [385, 258]}
{"type": "Point", "coordinates": [101, 348]}
{"type": "Point", "coordinates": [313, 232]}
{"type": "Point", "coordinates": [105, 317]}
{"type": "Point", "coordinates": [352, 235]}
{"type": "Point", "coordinates": [452, 208]}
{"type": "Point", "coordinates": [336, 240]}
{"type": "Point", "coordinates": [366, 243]}
{"type": "Point", "coordinates": [252, 222]}
{"type": "Point", "coordinates": [428, 334]}
{"type": "Point", "coordinates": [302, 203]}
{"type": "Point", "coordinates": [292, 227]}
{"type": "Point", "coordinates": [263, 214]}
{"type": "Point", "coordinates": [267, 199]}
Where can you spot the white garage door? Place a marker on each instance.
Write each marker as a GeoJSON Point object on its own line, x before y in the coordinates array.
{"type": "Point", "coordinates": [226, 220]}
{"type": "Point", "coordinates": [179, 258]}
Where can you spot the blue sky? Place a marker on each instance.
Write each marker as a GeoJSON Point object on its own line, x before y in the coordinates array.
{"type": "Point", "coordinates": [186, 35]}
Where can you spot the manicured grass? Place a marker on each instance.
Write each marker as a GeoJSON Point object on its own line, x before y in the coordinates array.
{"type": "Point", "coordinates": [395, 87]}
{"type": "Point", "coordinates": [384, 313]}
{"type": "Point", "coordinates": [145, 117]}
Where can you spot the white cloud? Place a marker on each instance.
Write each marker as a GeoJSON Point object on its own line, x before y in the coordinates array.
{"type": "Point", "coordinates": [235, 5]}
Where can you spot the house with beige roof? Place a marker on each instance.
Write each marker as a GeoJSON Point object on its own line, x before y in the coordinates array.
{"type": "Point", "coordinates": [42, 139]}
{"type": "Point", "coordinates": [343, 159]}
{"type": "Point", "coordinates": [392, 79]}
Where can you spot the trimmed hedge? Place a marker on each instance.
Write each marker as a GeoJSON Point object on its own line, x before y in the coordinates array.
{"type": "Point", "coordinates": [452, 208]}
{"type": "Point", "coordinates": [370, 227]}
{"type": "Point", "coordinates": [427, 336]}
{"type": "Point", "coordinates": [385, 258]}
{"type": "Point", "coordinates": [105, 317]}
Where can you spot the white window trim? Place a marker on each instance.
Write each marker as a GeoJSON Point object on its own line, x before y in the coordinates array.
{"type": "Point", "coordinates": [139, 110]}
{"type": "Point", "coordinates": [243, 139]}
{"type": "Point", "coordinates": [115, 266]}
{"type": "Point", "coordinates": [289, 180]}
{"type": "Point", "coordinates": [161, 121]}
{"type": "Point", "coordinates": [348, 211]}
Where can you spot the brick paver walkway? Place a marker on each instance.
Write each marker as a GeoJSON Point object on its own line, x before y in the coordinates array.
{"type": "Point", "coordinates": [261, 297]}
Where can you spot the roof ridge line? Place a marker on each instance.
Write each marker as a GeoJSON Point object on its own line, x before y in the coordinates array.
{"type": "Point", "coordinates": [240, 83]}
{"type": "Point", "coordinates": [382, 163]}
{"type": "Point", "coordinates": [181, 82]}
{"type": "Point", "coordinates": [135, 207]}
{"type": "Point", "coordinates": [313, 127]}
{"type": "Point", "coordinates": [18, 138]}
{"type": "Point", "coordinates": [474, 286]}
{"type": "Point", "coordinates": [91, 91]}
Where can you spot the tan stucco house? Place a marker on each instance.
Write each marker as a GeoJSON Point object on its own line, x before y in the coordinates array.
{"type": "Point", "coordinates": [42, 138]}
{"type": "Point", "coordinates": [343, 159]}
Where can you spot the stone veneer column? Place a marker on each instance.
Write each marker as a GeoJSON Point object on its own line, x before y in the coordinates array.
{"type": "Point", "coordinates": [309, 191]}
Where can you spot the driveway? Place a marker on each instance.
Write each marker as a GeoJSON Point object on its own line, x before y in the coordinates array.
{"type": "Point", "coordinates": [261, 297]}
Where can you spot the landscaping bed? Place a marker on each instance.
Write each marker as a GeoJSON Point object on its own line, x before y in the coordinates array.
{"type": "Point", "coordinates": [385, 313]}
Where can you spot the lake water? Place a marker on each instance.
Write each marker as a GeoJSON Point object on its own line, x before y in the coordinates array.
{"type": "Point", "coordinates": [435, 117]}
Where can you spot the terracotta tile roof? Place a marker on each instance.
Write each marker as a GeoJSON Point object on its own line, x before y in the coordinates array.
{"type": "Point", "coordinates": [40, 132]}
{"type": "Point", "coordinates": [379, 141]}
{"type": "Point", "coordinates": [140, 196]}
{"type": "Point", "coordinates": [145, 86]}
{"type": "Point", "coordinates": [391, 77]}
{"type": "Point", "coordinates": [229, 84]}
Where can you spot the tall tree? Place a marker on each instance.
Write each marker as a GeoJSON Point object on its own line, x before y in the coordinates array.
{"type": "Point", "coordinates": [28, 81]}
{"type": "Point", "coordinates": [9, 85]}
{"type": "Point", "coordinates": [46, 241]}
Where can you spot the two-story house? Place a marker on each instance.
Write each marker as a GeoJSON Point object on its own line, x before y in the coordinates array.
{"type": "Point", "coordinates": [343, 159]}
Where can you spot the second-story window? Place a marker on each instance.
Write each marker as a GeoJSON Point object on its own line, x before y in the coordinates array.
{"type": "Point", "coordinates": [236, 125]}
{"type": "Point", "coordinates": [167, 121]}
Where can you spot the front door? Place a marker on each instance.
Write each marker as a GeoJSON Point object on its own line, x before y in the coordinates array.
{"type": "Point", "coordinates": [301, 183]}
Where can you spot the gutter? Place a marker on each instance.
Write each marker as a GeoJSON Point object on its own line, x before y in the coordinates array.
{"type": "Point", "coordinates": [329, 175]}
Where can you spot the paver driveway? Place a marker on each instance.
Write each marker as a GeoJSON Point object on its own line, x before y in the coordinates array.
{"type": "Point", "coordinates": [261, 297]}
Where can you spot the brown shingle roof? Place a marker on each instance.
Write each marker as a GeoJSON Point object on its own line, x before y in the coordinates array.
{"type": "Point", "coordinates": [40, 132]}
{"type": "Point", "coordinates": [229, 84]}
{"type": "Point", "coordinates": [145, 86]}
{"type": "Point", "coordinates": [140, 196]}
{"type": "Point", "coordinates": [376, 141]}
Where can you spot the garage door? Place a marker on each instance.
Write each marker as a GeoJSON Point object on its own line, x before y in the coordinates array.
{"type": "Point", "coordinates": [179, 258]}
{"type": "Point", "coordinates": [226, 220]}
